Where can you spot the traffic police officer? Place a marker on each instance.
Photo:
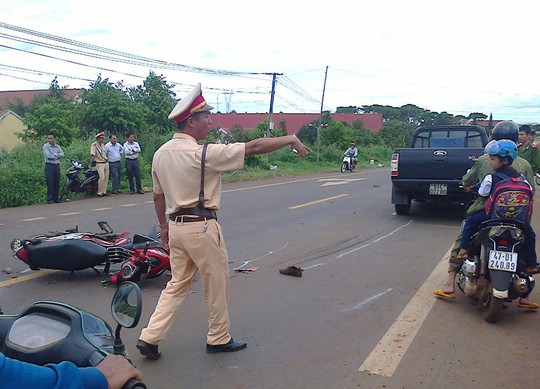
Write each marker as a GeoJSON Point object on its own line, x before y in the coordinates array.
{"type": "Point", "coordinates": [187, 194]}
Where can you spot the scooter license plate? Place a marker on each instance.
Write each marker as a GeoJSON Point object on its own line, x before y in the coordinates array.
{"type": "Point", "coordinates": [501, 260]}
{"type": "Point", "coordinates": [438, 189]}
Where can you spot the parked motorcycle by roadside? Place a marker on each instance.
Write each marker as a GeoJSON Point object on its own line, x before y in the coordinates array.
{"type": "Point", "coordinates": [348, 164]}
{"type": "Point", "coordinates": [77, 181]}
{"type": "Point", "coordinates": [141, 257]}
{"type": "Point", "coordinates": [53, 332]}
{"type": "Point", "coordinates": [493, 273]}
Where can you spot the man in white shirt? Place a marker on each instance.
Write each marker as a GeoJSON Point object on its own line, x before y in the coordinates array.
{"type": "Point", "coordinates": [131, 152]}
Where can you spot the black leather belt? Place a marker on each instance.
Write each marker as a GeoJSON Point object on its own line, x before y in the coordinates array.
{"type": "Point", "coordinates": [195, 212]}
{"type": "Point", "coordinates": [188, 218]}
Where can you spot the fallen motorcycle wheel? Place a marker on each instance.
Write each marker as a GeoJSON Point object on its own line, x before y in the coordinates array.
{"type": "Point", "coordinates": [64, 192]}
{"type": "Point", "coordinates": [494, 309]}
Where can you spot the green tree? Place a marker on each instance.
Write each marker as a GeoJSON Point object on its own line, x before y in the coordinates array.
{"type": "Point", "coordinates": [336, 133]}
{"type": "Point", "coordinates": [156, 99]}
{"type": "Point", "coordinates": [395, 134]}
{"type": "Point", "coordinates": [477, 116]}
{"type": "Point", "coordinates": [52, 116]}
{"type": "Point", "coordinates": [308, 133]}
{"type": "Point", "coordinates": [18, 107]}
{"type": "Point", "coordinates": [50, 112]}
{"type": "Point", "coordinates": [107, 107]}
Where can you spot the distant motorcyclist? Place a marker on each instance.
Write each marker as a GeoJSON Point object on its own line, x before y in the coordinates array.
{"type": "Point", "coordinates": [352, 152]}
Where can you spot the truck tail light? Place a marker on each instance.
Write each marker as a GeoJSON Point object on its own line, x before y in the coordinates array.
{"type": "Point", "coordinates": [394, 165]}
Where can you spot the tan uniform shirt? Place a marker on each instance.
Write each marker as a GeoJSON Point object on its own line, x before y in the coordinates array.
{"type": "Point", "coordinates": [176, 171]}
{"type": "Point", "coordinates": [98, 151]}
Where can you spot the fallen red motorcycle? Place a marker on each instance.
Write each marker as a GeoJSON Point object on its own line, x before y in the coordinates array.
{"type": "Point", "coordinates": [144, 256]}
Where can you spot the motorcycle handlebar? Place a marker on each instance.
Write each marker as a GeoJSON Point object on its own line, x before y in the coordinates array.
{"type": "Point", "coordinates": [96, 358]}
{"type": "Point", "coordinates": [133, 384]}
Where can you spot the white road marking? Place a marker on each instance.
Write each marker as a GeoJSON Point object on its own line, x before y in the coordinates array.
{"type": "Point", "coordinates": [69, 213]}
{"type": "Point", "coordinates": [102, 209]}
{"type": "Point", "coordinates": [339, 181]}
{"type": "Point", "coordinates": [318, 201]}
{"type": "Point", "coordinates": [129, 205]}
{"type": "Point", "coordinates": [247, 262]}
{"type": "Point", "coordinates": [33, 219]}
{"type": "Point", "coordinates": [360, 305]}
{"type": "Point", "coordinates": [386, 356]}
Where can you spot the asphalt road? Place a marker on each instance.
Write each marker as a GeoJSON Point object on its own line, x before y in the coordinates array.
{"type": "Point", "coordinates": [362, 315]}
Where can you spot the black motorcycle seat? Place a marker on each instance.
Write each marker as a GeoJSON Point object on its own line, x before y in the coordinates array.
{"type": "Point", "coordinates": [67, 254]}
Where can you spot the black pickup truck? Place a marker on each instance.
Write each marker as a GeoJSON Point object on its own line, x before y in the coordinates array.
{"type": "Point", "coordinates": [432, 168]}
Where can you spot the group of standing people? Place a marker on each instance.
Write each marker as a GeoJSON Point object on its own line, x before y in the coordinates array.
{"type": "Point", "coordinates": [105, 157]}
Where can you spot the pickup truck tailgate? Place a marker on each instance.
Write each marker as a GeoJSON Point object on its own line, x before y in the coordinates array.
{"type": "Point", "coordinates": [433, 164]}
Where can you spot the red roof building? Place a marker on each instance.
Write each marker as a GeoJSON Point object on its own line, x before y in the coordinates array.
{"type": "Point", "coordinates": [293, 122]}
{"type": "Point", "coordinates": [26, 96]}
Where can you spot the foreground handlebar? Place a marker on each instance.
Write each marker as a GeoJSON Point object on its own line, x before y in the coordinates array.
{"type": "Point", "coordinates": [133, 384]}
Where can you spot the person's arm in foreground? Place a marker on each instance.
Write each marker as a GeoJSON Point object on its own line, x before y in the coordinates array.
{"type": "Point", "coordinates": [112, 373]}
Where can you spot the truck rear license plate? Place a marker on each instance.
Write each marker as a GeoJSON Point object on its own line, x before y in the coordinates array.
{"type": "Point", "coordinates": [501, 260]}
{"type": "Point", "coordinates": [438, 189]}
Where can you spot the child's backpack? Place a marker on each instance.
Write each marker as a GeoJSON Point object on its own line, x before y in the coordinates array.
{"type": "Point", "coordinates": [510, 198]}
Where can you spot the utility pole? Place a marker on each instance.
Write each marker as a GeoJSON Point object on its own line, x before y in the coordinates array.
{"type": "Point", "coordinates": [271, 111]}
{"type": "Point", "coordinates": [320, 118]}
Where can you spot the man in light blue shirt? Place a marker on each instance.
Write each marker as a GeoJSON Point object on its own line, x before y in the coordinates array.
{"type": "Point", "coordinates": [114, 151]}
{"type": "Point", "coordinates": [52, 153]}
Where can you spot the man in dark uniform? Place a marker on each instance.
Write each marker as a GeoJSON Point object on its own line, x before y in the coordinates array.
{"type": "Point", "coordinates": [187, 194]}
{"type": "Point", "coordinates": [527, 148]}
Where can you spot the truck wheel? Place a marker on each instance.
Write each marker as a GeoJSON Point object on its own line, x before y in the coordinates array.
{"type": "Point", "coordinates": [403, 209]}
{"type": "Point", "coordinates": [344, 167]}
{"type": "Point", "coordinates": [495, 308]}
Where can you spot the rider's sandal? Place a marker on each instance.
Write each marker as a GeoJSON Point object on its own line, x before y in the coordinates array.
{"type": "Point", "coordinates": [531, 305]}
{"type": "Point", "coordinates": [443, 294]}
{"type": "Point", "coordinates": [533, 270]}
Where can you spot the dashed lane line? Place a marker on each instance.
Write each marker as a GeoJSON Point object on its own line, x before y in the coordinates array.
{"type": "Point", "coordinates": [129, 205]}
{"type": "Point", "coordinates": [33, 219]}
{"type": "Point", "coordinates": [102, 209]}
{"type": "Point", "coordinates": [69, 213]}
{"type": "Point", "coordinates": [16, 280]}
{"type": "Point", "coordinates": [318, 201]}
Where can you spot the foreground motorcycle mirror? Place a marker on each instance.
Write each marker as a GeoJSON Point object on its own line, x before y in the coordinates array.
{"type": "Point", "coordinates": [126, 304]}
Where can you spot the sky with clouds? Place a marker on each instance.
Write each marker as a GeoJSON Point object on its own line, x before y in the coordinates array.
{"type": "Point", "coordinates": [459, 56]}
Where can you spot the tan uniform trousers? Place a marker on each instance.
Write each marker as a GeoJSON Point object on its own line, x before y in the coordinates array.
{"type": "Point", "coordinates": [103, 172]}
{"type": "Point", "coordinates": [194, 247]}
